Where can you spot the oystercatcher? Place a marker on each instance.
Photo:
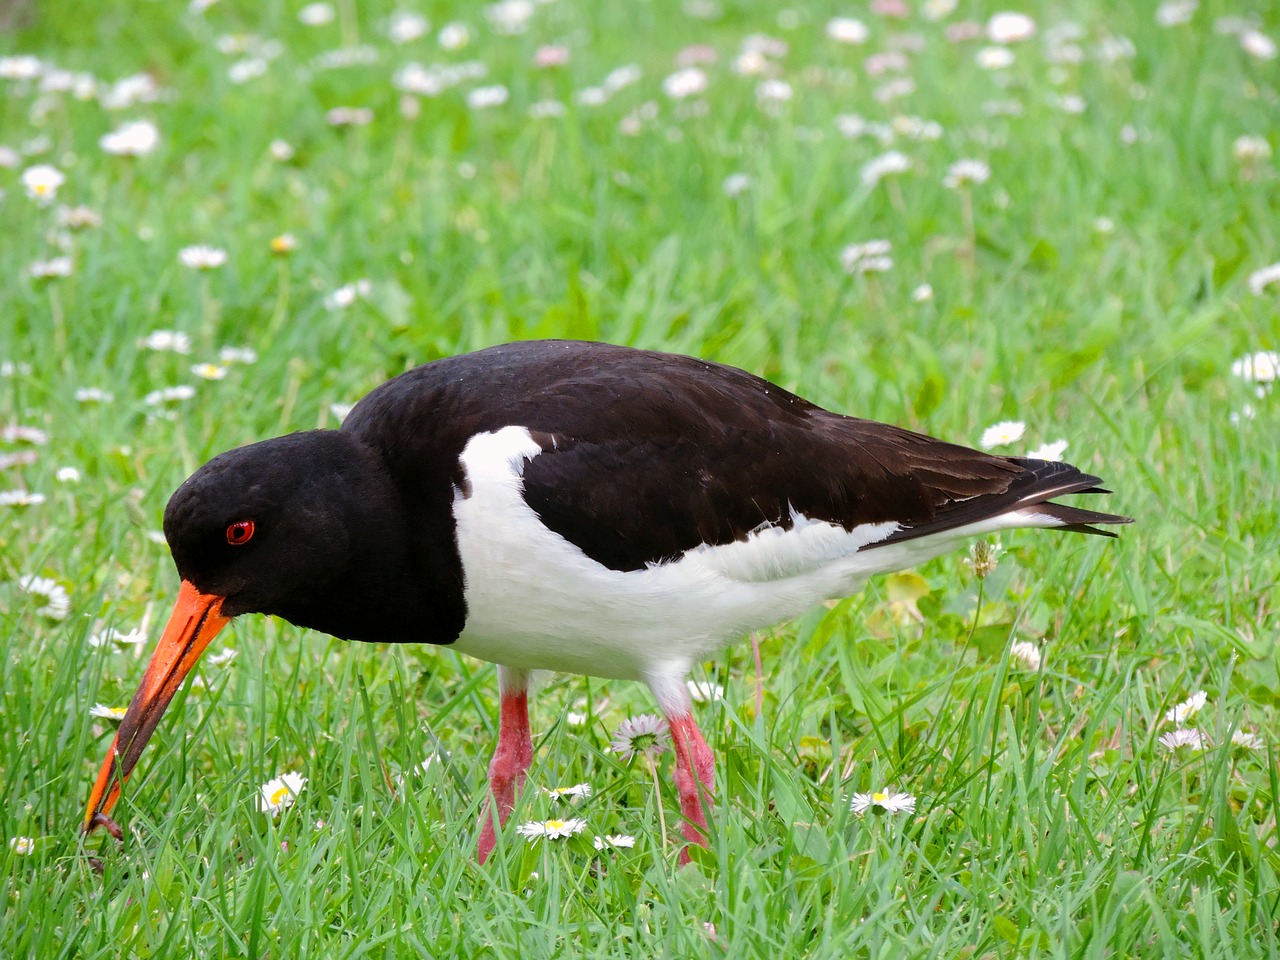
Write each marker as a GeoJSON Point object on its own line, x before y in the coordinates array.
{"type": "Point", "coordinates": [575, 507]}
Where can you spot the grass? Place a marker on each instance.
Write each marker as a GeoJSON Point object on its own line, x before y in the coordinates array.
{"type": "Point", "coordinates": [1101, 297]}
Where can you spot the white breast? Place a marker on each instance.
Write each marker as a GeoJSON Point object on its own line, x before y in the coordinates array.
{"type": "Point", "coordinates": [536, 601]}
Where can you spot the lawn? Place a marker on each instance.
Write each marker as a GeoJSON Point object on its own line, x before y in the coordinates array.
{"type": "Point", "coordinates": [910, 211]}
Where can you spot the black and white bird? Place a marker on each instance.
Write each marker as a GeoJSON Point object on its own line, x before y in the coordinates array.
{"type": "Point", "coordinates": [575, 507]}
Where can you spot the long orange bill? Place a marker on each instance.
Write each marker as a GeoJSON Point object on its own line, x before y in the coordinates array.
{"type": "Point", "coordinates": [197, 618]}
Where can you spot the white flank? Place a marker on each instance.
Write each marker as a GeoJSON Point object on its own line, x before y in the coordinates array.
{"type": "Point", "coordinates": [535, 601]}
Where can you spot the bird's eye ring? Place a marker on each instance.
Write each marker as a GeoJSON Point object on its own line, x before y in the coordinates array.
{"type": "Point", "coordinates": [240, 532]}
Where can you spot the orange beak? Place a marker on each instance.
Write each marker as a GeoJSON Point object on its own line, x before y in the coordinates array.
{"type": "Point", "coordinates": [197, 618]}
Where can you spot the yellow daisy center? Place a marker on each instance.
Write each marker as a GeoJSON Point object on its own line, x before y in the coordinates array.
{"type": "Point", "coordinates": [879, 797]}
{"type": "Point", "coordinates": [554, 824]}
{"type": "Point", "coordinates": [278, 796]}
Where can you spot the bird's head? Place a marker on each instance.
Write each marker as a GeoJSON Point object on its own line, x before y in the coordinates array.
{"type": "Point", "coordinates": [308, 527]}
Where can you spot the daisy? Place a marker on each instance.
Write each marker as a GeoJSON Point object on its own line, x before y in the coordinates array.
{"type": "Point", "coordinates": [774, 91]}
{"type": "Point", "coordinates": [103, 712]}
{"type": "Point", "coordinates": [882, 802]}
{"type": "Point", "coordinates": [454, 36]}
{"type": "Point", "coordinates": [1187, 709]}
{"type": "Point", "coordinates": [22, 846]}
{"type": "Point", "coordinates": [1027, 654]}
{"type": "Point", "coordinates": [703, 691]}
{"type": "Point", "coordinates": [46, 269]}
{"type": "Point", "coordinates": [77, 218]}
{"type": "Point", "coordinates": [1174, 739]}
{"type": "Point", "coordinates": [923, 293]}
{"type": "Point", "coordinates": [349, 117]}
{"type": "Point", "coordinates": [242, 71]}
{"type": "Point", "coordinates": [621, 77]}
{"type": "Point", "coordinates": [116, 635]}
{"type": "Point", "coordinates": [229, 355]}
{"type": "Point", "coordinates": [575, 792]}
{"type": "Point", "coordinates": [1246, 740]}
{"type": "Point", "coordinates": [17, 433]}
{"type": "Point", "coordinates": [316, 14]}
{"type": "Point", "coordinates": [19, 458]}
{"type": "Point", "coordinates": [42, 182]}
{"type": "Point", "coordinates": [542, 109]}
{"type": "Point", "coordinates": [57, 601]}
{"type": "Point", "coordinates": [510, 17]}
{"type": "Point", "coordinates": [280, 150]}
{"type": "Point", "coordinates": [1250, 149]}
{"type": "Point", "coordinates": [1258, 44]}
{"type": "Point", "coordinates": [481, 98]}
{"type": "Point", "coordinates": [405, 26]}
{"type": "Point", "coordinates": [1173, 13]}
{"type": "Point", "coordinates": [685, 83]}
{"type": "Point", "coordinates": [202, 257]}
{"type": "Point", "coordinates": [994, 58]}
{"type": "Point", "coordinates": [1010, 27]}
{"type": "Point", "coordinates": [736, 184]}
{"type": "Point", "coordinates": [166, 340]}
{"type": "Point", "coordinates": [1260, 367]}
{"type": "Point", "coordinates": [222, 657]}
{"type": "Point", "coordinates": [345, 296]}
{"type": "Point", "coordinates": [551, 829]}
{"type": "Point", "coordinates": [876, 169]}
{"type": "Point", "coordinates": [847, 30]}
{"type": "Point", "coordinates": [134, 139]}
{"type": "Point", "coordinates": [67, 475]}
{"type": "Point", "coordinates": [157, 398]}
{"type": "Point", "coordinates": [646, 734]}
{"type": "Point", "coordinates": [966, 173]}
{"type": "Point", "coordinates": [614, 841]}
{"type": "Point", "coordinates": [1004, 432]}
{"type": "Point", "coordinates": [20, 498]}
{"type": "Point", "coordinates": [279, 794]}
{"type": "Point", "coordinates": [20, 67]}
{"type": "Point", "coordinates": [1048, 451]}
{"type": "Point", "coordinates": [870, 257]}
{"type": "Point", "coordinates": [209, 371]}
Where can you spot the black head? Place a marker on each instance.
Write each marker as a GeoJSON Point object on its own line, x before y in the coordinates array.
{"type": "Point", "coordinates": [308, 527]}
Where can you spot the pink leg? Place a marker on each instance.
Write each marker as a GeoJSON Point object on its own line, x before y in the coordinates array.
{"type": "Point", "coordinates": [695, 776]}
{"type": "Point", "coordinates": [511, 759]}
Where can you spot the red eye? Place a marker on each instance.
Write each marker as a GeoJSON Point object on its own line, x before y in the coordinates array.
{"type": "Point", "coordinates": [239, 533]}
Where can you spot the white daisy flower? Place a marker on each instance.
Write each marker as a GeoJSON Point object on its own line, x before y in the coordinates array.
{"type": "Point", "coordinates": [1002, 433]}
{"type": "Point", "coordinates": [22, 66]}
{"type": "Point", "coordinates": [877, 168]}
{"type": "Point", "coordinates": [551, 829]}
{"type": "Point", "coordinates": [20, 498]}
{"type": "Point", "coordinates": [575, 792]}
{"type": "Point", "coordinates": [209, 371]}
{"type": "Point", "coordinates": [349, 117]}
{"type": "Point", "coordinates": [170, 340]}
{"type": "Point", "coordinates": [158, 398]}
{"type": "Point", "coordinates": [42, 182]}
{"type": "Point", "coordinates": [621, 77]}
{"type": "Point", "coordinates": [1027, 655]}
{"type": "Point", "coordinates": [316, 14]}
{"type": "Point", "coordinates": [57, 602]}
{"type": "Point", "coordinates": [882, 802]}
{"type": "Point", "coordinates": [646, 734]}
{"type": "Point", "coordinates": [1258, 44]}
{"type": "Point", "coordinates": [1173, 13]}
{"type": "Point", "coordinates": [994, 58]}
{"type": "Point", "coordinates": [280, 150]}
{"type": "Point", "coordinates": [102, 712]}
{"type": "Point", "coordinates": [966, 173]}
{"type": "Point", "coordinates": [704, 691]}
{"type": "Point", "coordinates": [94, 395]}
{"type": "Point", "coordinates": [736, 184]}
{"type": "Point", "coordinates": [228, 355]}
{"type": "Point", "coordinates": [1251, 149]}
{"type": "Point", "coordinates": [1247, 740]}
{"type": "Point", "coordinates": [279, 794]}
{"type": "Point", "coordinates": [67, 475]}
{"type": "Point", "coordinates": [17, 433]}
{"type": "Point", "coordinates": [222, 657]}
{"type": "Point", "coordinates": [869, 257]}
{"type": "Point", "coordinates": [614, 841]}
{"type": "Point", "coordinates": [346, 295]}
{"type": "Point", "coordinates": [1259, 280]}
{"type": "Point", "coordinates": [1192, 739]}
{"type": "Point", "coordinates": [129, 638]}
{"type": "Point", "coordinates": [1187, 709]}
{"type": "Point", "coordinates": [1010, 27]}
{"type": "Point", "coordinates": [1048, 451]}
{"type": "Point", "coordinates": [482, 98]}
{"type": "Point", "coordinates": [923, 293]}
{"type": "Point", "coordinates": [202, 257]}
{"type": "Point", "coordinates": [1260, 367]}
{"type": "Point", "coordinates": [22, 846]}
{"type": "Point", "coordinates": [774, 91]}
{"type": "Point", "coordinates": [284, 243]}
{"type": "Point", "coordinates": [454, 36]}
{"type": "Point", "coordinates": [405, 26]}
{"type": "Point", "coordinates": [847, 30]}
{"type": "Point", "coordinates": [47, 269]}
{"type": "Point", "coordinates": [134, 139]}
{"type": "Point", "coordinates": [685, 83]}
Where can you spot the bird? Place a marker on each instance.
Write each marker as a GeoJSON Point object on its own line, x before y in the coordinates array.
{"type": "Point", "coordinates": [576, 507]}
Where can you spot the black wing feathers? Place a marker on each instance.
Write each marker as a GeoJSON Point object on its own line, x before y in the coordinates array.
{"type": "Point", "coordinates": [655, 454]}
